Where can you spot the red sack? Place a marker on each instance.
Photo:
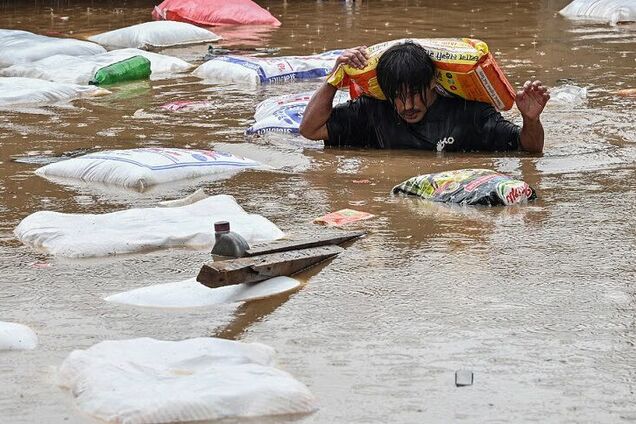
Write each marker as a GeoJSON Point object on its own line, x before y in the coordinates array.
{"type": "Point", "coordinates": [214, 12]}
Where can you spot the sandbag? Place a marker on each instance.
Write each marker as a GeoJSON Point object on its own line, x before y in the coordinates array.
{"type": "Point", "coordinates": [138, 230]}
{"type": "Point", "coordinates": [214, 12]}
{"type": "Point", "coordinates": [18, 47]}
{"type": "Point", "coordinates": [464, 67]}
{"type": "Point", "coordinates": [17, 337]}
{"type": "Point", "coordinates": [258, 70]}
{"type": "Point", "coordinates": [154, 35]}
{"type": "Point", "coordinates": [610, 11]}
{"type": "Point", "coordinates": [141, 168]}
{"type": "Point", "coordinates": [468, 187]}
{"type": "Point", "coordinates": [30, 91]}
{"type": "Point", "coordinates": [192, 294]}
{"type": "Point", "coordinates": [152, 381]}
{"type": "Point", "coordinates": [81, 69]}
{"type": "Point", "coordinates": [284, 113]}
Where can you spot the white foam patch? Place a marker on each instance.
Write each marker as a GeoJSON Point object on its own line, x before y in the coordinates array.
{"type": "Point", "coordinates": [142, 229]}
{"type": "Point", "coordinates": [15, 336]}
{"type": "Point", "coordinates": [192, 294]}
{"type": "Point", "coordinates": [151, 381]}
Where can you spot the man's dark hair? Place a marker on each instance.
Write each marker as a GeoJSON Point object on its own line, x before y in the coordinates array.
{"type": "Point", "coordinates": [403, 69]}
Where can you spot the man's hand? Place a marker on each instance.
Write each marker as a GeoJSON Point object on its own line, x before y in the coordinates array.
{"type": "Point", "coordinates": [532, 99]}
{"type": "Point", "coordinates": [356, 57]}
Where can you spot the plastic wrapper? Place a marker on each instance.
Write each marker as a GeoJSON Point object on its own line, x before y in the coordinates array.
{"type": "Point", "coordinates": [468, 187]}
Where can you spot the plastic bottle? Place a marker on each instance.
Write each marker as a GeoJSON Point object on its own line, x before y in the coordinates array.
{"type": "Point", "coordinates": [131, 69]}
{"type": "Point", "coordinates": [227, 242]}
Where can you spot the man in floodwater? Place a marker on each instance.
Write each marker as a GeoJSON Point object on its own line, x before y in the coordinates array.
{"type": "Point", "coordinates": [415, 115]}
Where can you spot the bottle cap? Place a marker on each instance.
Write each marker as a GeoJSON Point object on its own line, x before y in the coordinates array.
{"type": "Point", "coordinates": [222, 227]}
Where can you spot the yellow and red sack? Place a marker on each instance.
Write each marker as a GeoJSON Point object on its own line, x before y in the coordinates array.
{"type": "Point", "coordinates": [464, 66]}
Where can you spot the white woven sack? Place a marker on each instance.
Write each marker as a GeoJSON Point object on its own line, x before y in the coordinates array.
{"type": "Point", "coordinates": [139, 230]}
{"type": "Point", "coordinates": [15, 336]}
{"type": "Point", "coordinates": [141, 168]}
{"type": "Point", "coordinates": [610, 11]}
{"type": "Point", "coordinates": [144, 380]}
{"type": "Point", "coordinates": [258, 70]}
{"type": "Point", "coordinates": [31, 91]}
{"type": "Point", "coordinates": [284, 113]}
{"type": "Point", "coordinates": [156, 34]}
{"type": "Point", "coordinates": [82, 69]}
{"type": "Point", "coordinates": [25, 47]}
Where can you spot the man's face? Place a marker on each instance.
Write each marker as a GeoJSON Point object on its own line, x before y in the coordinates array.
{"type": "Point", "coordinates": [412, 108]}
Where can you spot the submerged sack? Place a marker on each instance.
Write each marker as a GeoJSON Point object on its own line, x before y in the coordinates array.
{"type": "Point", "coordinates": [611, 11]}
{"type": "Point", "coordinates": [25, 47]}
{"type": "Point", "coordinates": [81, 69]}
{"type": "Point", "coordinates": [155, 34]}
{"type": "Point", "coordinates": [30, 91]}
{"type": "Point", "coordinates": [468, 187]}
{"type": "Point", "coordinates": [146, 381]}
{"type": "Point", "coordinates": [214, 12]}
{"type": "Point", "coordinates": [142, 229]}
{"type": "Point", "coordinates": [284, 113]}
{"type": "Point", "coordinates": [145, 167]}
{"type": "Point", "coordinates": [131, 69]}
{"type": "Point", "coordinates": [463, 67]}
{"type": "Point", "coordinates": [256, 70]}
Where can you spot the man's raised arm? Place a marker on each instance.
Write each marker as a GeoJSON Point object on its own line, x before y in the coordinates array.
{"type": "Point", "coordinates": [530, 102]}
{"type": "Point", "coordinates": [314, 123]}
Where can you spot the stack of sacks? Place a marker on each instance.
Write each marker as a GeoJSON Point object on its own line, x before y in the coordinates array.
{"type": "Point", "coordinates": [610, 11]}
{"type": "Point", "coordinates": [82, 69]}
{"type": "Point", "coordinates": [152, 381]}
{"type": "Point", "coordinates": [139, 230]}
{"type": "Point", "coordinates": [214, 12]}
{"type": "Point", "coordinates": [18, 47]}
{"type": "Point", "coordinates": [255, 70]}
{"type": "Point", "coordinates": [17, 337]}
{"type": "Point", "coordinates": [141, 168]}
{"type": "Point", "coordinates": [192, 294]}
{"type": "Point", "coordinates": [151, 35]}
{"type": "Point", "coordinates": [284, 113]}
{"type": "Point", "coordinates": [30, 91]}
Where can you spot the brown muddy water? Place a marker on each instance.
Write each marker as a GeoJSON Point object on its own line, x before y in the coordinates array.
{"type": "Point", "coordinates": [539, 301]}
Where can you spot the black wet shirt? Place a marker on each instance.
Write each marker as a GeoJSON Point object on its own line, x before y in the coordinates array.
{"type": "Point", "coordinates": [451, 124]}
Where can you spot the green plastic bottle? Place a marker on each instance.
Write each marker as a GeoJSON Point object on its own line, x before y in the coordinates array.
{"type": "Point", "coordinates": [131, 69]}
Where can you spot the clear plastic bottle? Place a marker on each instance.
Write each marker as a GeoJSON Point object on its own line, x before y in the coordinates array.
{"type": "Point", "coordinates": [227, 242]}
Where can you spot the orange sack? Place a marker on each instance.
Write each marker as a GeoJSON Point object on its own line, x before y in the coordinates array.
{"type": "Point", "coordinates": [464, 67]}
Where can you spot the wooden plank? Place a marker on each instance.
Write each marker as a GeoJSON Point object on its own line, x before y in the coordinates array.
{"type": "Point", "coordinates": [304, 243]}
{"type": "Point", "coordinates": [258, 268]}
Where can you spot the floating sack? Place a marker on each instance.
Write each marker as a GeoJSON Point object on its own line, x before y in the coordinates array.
{"type": "Point", "coordinates": [25, 47]}
{"type": "Point", "coordinates": [141, 168]}
{"type": "Point", "coordinates": [343, 217]}
{"type": "Point", "coordinates": [152, 381]}
{"type": "Point", "coordinates": [138, 230]}
{"type": "Point", "coordinates": [610, 11]}
{"type": "Point", "coordinates": [155, 35]}
{"type": "Point", "coordinates": [81, 69]}
{"type": "Point", "coordinates": [214, 12]}
{"type": "Point", "coordinates": [131, 69]}
{"type": "Point", "coordinates": [30, 91]}
{"type": "Point", "coordinates": [464, 67]}
{"type": "Point", "coordinates": [17, 337]}
{"type": "Point", "coordinates": [568, 93]}
{"type": "Point", "coordinates": [468, 187]}
{"type": "Point", "coordinates": [192, 294]}
{"type": "Point", "coordinates": [258, 70]}
{"type": "Point", "coordinates": [284, 113]}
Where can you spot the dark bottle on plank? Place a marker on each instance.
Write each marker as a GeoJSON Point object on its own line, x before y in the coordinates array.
{"type": "Point", "coordinates": [228, 243]}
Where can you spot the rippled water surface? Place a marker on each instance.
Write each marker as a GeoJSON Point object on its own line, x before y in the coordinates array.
{"type": "Point", "coordinates": [538, 301]}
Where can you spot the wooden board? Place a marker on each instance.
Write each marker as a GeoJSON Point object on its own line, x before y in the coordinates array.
{"type": "Point", "coordinates": [258, 268]}
{"type": "Point", "coordinates": [304, 243]}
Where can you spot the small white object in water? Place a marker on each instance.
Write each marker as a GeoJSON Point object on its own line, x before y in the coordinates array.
{"type": "Point", "coordinates": [568, 94]}
{"type": "Point", "coordinates": [17, 337]}
{"type": "Point", "coordinates": [192, 294]}
{"type": "Point", "coordinates": [153, 381]}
